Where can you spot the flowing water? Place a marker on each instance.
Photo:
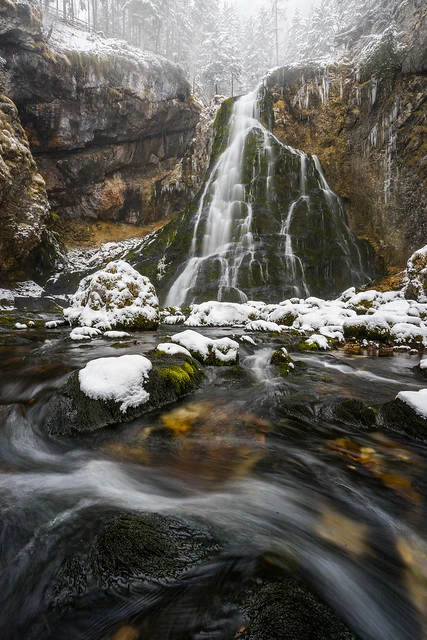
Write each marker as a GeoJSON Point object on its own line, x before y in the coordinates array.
{"type": "Point", "coordinates": [340, 506]}
{"type": "Point", "coordinates": [260, 227]}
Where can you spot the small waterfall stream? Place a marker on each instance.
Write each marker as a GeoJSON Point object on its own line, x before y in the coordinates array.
{"type": "Point", "coordinates": [266, 220]}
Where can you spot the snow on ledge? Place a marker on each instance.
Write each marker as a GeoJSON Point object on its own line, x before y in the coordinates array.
{"type": "Point", "coordinates": [120, 379]}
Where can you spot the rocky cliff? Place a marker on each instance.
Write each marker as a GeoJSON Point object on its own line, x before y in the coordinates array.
{"type": "Point", "coordinates": [365, 119]}
{"type": "Point", "coordinates": [26, 246]}
{"type": "Point", "coordinates": [106, 123]}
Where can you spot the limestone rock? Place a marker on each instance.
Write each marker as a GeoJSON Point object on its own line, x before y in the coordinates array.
{"type": "Point", "coordinates": [107, 121]}
{"type": "Point", "coordinates": [23, 203]}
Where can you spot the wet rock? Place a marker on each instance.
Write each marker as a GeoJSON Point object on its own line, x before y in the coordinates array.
{"type": "Point", "coordinates": [399, 416]}
{"type": "Point", "coordinates": [286, 610]}
{"type": "Point", "coordinates": [71, 411]}
{"type": "Point", "coordinates": [119, 550]}
{"type": "Point", "coordinates": [352, 412]}
{"type": "Point", "coordinates": [283, 360]}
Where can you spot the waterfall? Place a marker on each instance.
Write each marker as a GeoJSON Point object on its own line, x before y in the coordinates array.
{"type": "Point", "coordinates": [267, 223]}
{"type": "Point", "coordinates": [229, 218]}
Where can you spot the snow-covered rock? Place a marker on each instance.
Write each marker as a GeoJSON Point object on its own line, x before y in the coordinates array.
{"type": "Point", "coordinates": [417, 400]}
{"type": "Point", "coordinates": [220, 314]}
{"type": "Point", "coordinates": [84, 333]}
{"type": "Point", "coordinates": [116, 297]}
{"type": "Point", "coordinates": [116, 335]}
{"type": "Point", "coordinates": [319, 341]}
{"type": "Point", "coordinates": [119, 379]}
{"type": "Point", "coordinates": [171, 349]}
{"type": "Point", "coordinates": [415, 282]}
{"type": "Point", "coordinates": [263, 325]}
{"type": "Point", "coordinates": [223, 351]}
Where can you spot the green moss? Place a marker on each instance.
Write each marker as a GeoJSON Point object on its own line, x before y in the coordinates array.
{"type": "Point", "coordinates": [356, 412]}
{"type": "Point", "coordinates": [221, 129]}
{"type": "Point", "coordinates": [305, 346]}
{"type": "Point", "coordinates": [181, 377]}
{"type": "Point", "coordinates": [361, 332]}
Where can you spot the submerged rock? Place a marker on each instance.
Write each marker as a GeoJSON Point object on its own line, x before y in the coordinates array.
{"type": "Point", "coordinates": [128, 548]}
{"type": "Point", "coordinates": [107, 393]}
{"type": "Point", "coordinates": [116, 297]}
{"type": "Point", "coordinates": [286, 610]}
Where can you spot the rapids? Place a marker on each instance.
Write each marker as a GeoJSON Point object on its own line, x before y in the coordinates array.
{"type": "Point", "coordinates": [263, 462]}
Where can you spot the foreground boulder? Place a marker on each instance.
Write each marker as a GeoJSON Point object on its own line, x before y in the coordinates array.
{"type": "Point", "coordinates": [116, 297]}
{"type": "Point", "coordinates": [115, 390]}
{"type": "Point", "coordinates": [125, 548]}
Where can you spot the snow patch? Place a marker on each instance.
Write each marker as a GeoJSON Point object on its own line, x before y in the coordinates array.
{"type": "Point", "coordinates": [173, 349]}
{"type": "Point", "coordinates": [417, 400]}
{"type": "Point", "coordinates": [119, 379]}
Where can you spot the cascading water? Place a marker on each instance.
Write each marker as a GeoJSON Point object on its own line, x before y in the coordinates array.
{"type": "Point", "coordinates": [228, 235]}
{"type": "Point", "coordinates": [267, 225]}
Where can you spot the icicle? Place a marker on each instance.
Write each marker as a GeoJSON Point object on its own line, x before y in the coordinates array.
{"type": "Point", "coordinates": [374, 87]}
{"type": "Point", "coordinates": [373, 136]}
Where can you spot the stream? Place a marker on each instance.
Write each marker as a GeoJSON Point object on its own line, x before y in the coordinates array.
{"type": "Point", "coordinates": [262, 461]}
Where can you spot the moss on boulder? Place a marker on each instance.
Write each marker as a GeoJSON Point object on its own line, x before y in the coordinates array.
{"type": "Point", "coordinates": [71, 411]}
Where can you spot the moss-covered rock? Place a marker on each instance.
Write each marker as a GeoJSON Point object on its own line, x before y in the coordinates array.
{"type": "Point", "coordinates": [119, 550]}
{"type": "Point", "coordinates": [71, 411]}
{"type": "Point", "coordinates": [399, 416]}
{"type": "Point", "coordinates": [354, 412]}
{"type": "Point", "coordinates": [367, 328]}
{"type": "Point", "coordinates": [283, 360]}
{"type": "Point", "coordinates": [285, 609]}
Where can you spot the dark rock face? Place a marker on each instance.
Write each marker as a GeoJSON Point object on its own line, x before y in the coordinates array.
{"type": "Point", "coordinates": [368, 132]}
{"type": "Point", "coordinates": [411, 19]}
{"type": "Point", "coordinates": [25, 244]}
{"type": "Point", "coordinates": [106, 122]}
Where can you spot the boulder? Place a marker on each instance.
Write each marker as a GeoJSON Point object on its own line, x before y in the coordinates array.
{"type": "Point", "coordinates": [119, 389]}
{"type": "Point", "coordinates": [116, 297]}
{"type": "Point", "coordinates": [223, 351]}
{"type": "Point", "coordinates": [415, 281]}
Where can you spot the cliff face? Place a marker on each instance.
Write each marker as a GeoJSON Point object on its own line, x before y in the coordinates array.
{"type": "Point", "coordinates": [106, 123]}
{"type": "Point", "coordinates": [367, 123]}
{"type": "Point", "coordinates": [25, 244]}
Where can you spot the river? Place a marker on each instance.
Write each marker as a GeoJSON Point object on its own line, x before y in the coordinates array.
{"type": "Point", "coordinates": [263, 460]}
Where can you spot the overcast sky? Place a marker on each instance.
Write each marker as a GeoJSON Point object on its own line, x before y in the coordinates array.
{"type": "Point", "coordinates": [253, 5]}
